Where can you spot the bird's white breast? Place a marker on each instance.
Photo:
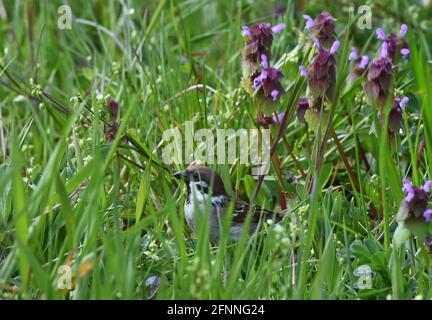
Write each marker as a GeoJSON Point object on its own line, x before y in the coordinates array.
{"type": "Point", "coordinates": [197, 203]}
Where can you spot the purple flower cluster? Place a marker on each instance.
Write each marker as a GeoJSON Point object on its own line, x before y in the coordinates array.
{"type": "Point", "coordinates": [259, 78]}
{"type": "Point", "coordinates": [379, 77]}
{"type": "Point", "coordinates": [260, 41]}
{"type": "Point", "coordinates": [415, 203]}
{"type": "Point", "coordinates": [267, 81]}
{"type": "Point", "coordinates": [321, 73]}
{"type": "Point", "coordinates": [323, 28]}
{"type": "Point", "coordinates": [393, 43]}
{"type": "Point", "coordinates": [111, 129]}
{"type": "Point", "coordinates": [378, 82]}
{"type": "Point", "coordinates": [302, 107]}
{"type": "Point", "coordinates": [395, 116]}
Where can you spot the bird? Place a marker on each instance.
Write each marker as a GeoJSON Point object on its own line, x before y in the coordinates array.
{"type": "Point", "coordinates": [206, 188]}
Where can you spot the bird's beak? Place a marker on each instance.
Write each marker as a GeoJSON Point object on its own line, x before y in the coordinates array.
{"type": "Point", "coordinates": [180, 174]}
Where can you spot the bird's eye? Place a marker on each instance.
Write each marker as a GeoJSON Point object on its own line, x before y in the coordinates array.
{"type": "Point", "coordinates": [196, 176]}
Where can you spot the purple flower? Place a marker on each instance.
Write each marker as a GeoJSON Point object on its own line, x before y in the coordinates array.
{"type": "Point", "coordinates": [428, 215]}
{"type": "Point", "coordinates": [323, 28]}
{"type": "Point", "coordinates": [267, 82]}
{"type": "Point", "coordinates": [403, 30]}
{"type": "Point", "coordinates": [427, 186]}
{"type": "Point", "coordinates": [113, 108]}
{"type": "Point", "coordinates": [302, 107]}
{"type": "Point", "coordinates": [363, 62]}
{"type": "Point", "coordinates": [335, 47]}
{"type": "Point", "coordinates": [392, 42]}
{"type": "Point", "coordinates": [246, 31]}
{"type": "Point", "coordinates": [258, 45]}
{"type": "Point", "coordinates": [257, 82]}
{"type": "Point", "coordinates": [405, 53]}
{"type": "Point", "coordinates": [322, 72]}
{"type": "Point", "coordinates": [303, 71]}
{"type": "Point", "coordinates": [416, 201]}
{"type": "Point", "coordinates": [384, 50]}
{"type": "Point", "coordinates": [354, 54]}
{"type": "Point", "coordinates": [359, 65]}
{"type": "Point", "coordinates": [259, 79]}
{"type": "Point", "coordinates": [309, 21]}
{"type": "Point", "coordinates": [269, 120]}
{"type": "Point", "coordinates": [274, 94]}
{"type": "Point", "coordinates": [260, 39]}
{"type": "Point", "coordinates": [403, 102]}
{"type": "Point", "coordinates": [279, 117]}
{"type": "Point", "coordinates": [278, 28]}
{"type": "Point", "coordinates": [380, 34]}
{"type": "Point", "coordinates": [378, 82]}
{"type": "Point", "coordinates": [261, 34]}
{"type": "Point", "coordinates": [395, 116]}
{"type": "Point", "coordinates": [264, 61]}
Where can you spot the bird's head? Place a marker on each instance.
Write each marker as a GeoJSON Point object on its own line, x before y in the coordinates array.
{"type": "Point", "coordinates": [202, 179]}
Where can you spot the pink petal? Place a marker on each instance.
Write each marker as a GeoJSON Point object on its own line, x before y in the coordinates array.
{"type": "Point", "coordinates": [335, 46]}
{"type": "Point", "coordinates": [380, 34]}
{"type": "Point", "coordinates": [403, 30]}
{"type": "Point", "coordinates": [278, 28]}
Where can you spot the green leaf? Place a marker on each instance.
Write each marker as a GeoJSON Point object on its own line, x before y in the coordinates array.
{"type": "Point", "coordinates": [401, 235]}
{"type": "Point", "coordinates": [314, 119]}
{"type": "Point", "coordinates": [88, 73]}
{"type": "Point", "coordinates": [250, 183]}
{"type": "Point", "coordinates": [143, 193]}
{"type": "Point", "coordinates": [144, 150]}
{"type": "Point", "coordinates": [20, 212]}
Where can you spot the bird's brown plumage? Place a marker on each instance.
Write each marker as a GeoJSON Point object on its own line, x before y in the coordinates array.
{"type": "Point", "coordinates": [211, 177]}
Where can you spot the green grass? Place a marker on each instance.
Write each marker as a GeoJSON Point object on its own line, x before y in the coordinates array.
{"type": "Point", "coordinates": [111, 211]}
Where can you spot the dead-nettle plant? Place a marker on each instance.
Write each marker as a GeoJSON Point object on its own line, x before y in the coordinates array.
{"type": "Point", "coordinates": [261, 80]}
{"type": "Point", "coordinates": [315, 107]}
{"type": "Point", "coordinates": [415, 215]}
{"type": "Point", "coordinates": [321, 72]}
{"type": "Point", "coordinates": [379, 81]}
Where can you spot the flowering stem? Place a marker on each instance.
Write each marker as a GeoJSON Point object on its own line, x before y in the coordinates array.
{"type": "Point", "coordinates": [296, 161]}
{"type": "Point", "coordinates": [342, 153]}
{"type": "Point", "coordinates": [282, 199]}
{"type": "Point", "coordinates": [383, 134]}
{"type": "Point", "coordinates": [287, 114]}
{"type": "Point", "coordinates": [414, 155]}
{"type": "Point", "coordinates": [276, 161]}
{"type": "Point", "coordinates": [360, 146]}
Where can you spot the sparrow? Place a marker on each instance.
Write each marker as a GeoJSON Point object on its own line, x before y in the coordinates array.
{"type": "Point", "coordinates": [205, 188]}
